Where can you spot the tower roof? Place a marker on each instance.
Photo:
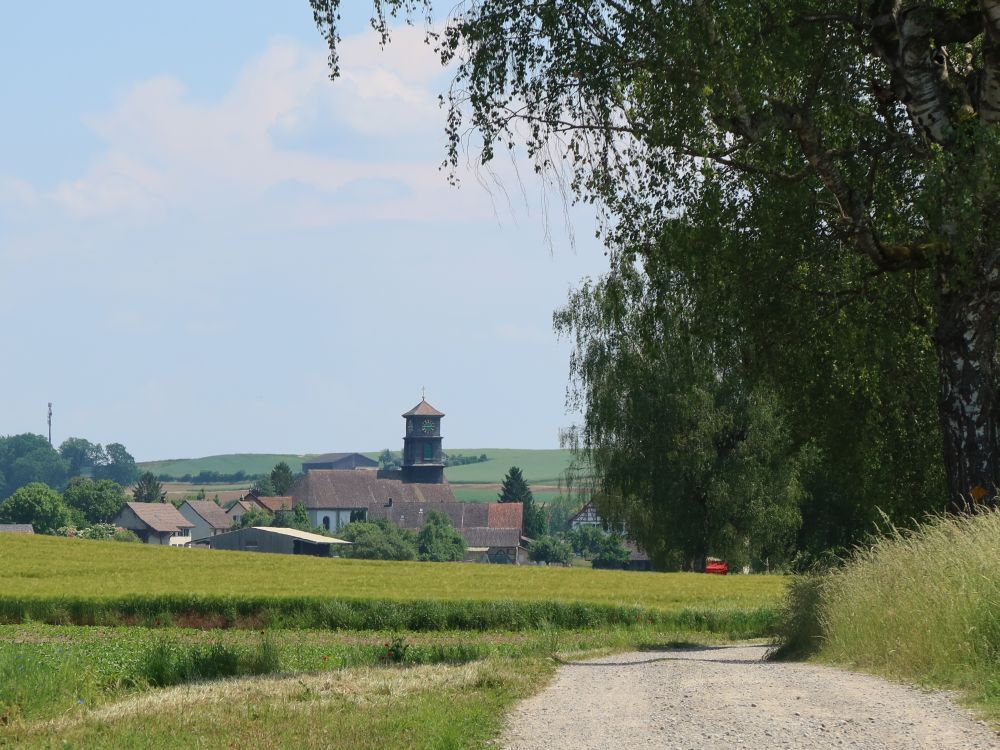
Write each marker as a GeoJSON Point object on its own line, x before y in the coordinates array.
{"type": "Point", "coordinates": [423, 409]}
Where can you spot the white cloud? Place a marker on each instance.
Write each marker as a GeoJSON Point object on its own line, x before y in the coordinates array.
{"type": "Point", "coordinates": [166, 151]}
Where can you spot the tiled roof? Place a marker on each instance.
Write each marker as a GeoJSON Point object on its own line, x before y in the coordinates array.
{"type": "Point", "coordinates": [483, 537]}
{"type": "Point", "coordinates": [212, 513]}
{"type": "Point", "coordinates": [505, 515]}
{"type": "Point", "coordinates": [160, 516]}
{"type": "Point", "coordinates": [414, 515]}
{"type": "Point", "coordinates": [243, 505]}
{"type": "Point", "coordinates": [423, 409]}
{"type": "Point", "coordinates": [332, 458]}
{"type": "Point", "coordinates": [274, 503]}
{"type": "Point", "coordinates": [16, 528]}
{"type": "Point", "coordinates": [363, 488]}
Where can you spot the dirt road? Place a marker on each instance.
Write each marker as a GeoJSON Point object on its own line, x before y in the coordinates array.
{"type": "Point", "coordinates": [723, 698]}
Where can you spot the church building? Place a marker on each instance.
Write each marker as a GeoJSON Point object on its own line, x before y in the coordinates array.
{"type": "Point", "coordinates": [335, 497]}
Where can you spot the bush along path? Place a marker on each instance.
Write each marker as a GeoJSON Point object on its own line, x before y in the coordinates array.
{"type": "Point", "coordinates": [729, 697]}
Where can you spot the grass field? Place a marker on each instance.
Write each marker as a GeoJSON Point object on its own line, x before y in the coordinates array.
{"type": "Point", "coordinates": [346, 687]}
{"type": "Point", "coordinates": [50, 566]}
{"type": "Point", "coordinates": [538, 466]}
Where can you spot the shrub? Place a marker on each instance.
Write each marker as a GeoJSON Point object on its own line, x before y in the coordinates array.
{"type": "Point", "coordinates": [548, 549]}
{"type": "Point", "coordinates": [378, 540]}
{"type": "Point", "coordinates": [438, 541]}
{"type": "Point", "coordinates": [610, 553]}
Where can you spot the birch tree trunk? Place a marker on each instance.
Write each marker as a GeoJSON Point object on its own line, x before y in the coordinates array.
{"type": "Point", "coordinates": [966, 348]}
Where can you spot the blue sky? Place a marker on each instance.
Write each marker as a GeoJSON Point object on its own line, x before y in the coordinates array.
{"type": "Point", "coordinates": [208, 247]}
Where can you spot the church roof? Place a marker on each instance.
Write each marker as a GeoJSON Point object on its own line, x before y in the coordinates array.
{"type": "Point", "coordinates": [423, 409]}
{"type": "Point", "coordinates": [362, 488]}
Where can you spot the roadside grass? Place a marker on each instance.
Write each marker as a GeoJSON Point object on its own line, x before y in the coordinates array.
{"type": "Point", "coordinates": [319, 689]}
{"type": "Point", "coordinates": [62, 571]}
{"type": "Point", "coordinates": [920, 606]}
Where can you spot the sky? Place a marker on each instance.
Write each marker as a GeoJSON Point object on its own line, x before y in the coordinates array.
{"type": "Point", "coordinates": [206, 246]}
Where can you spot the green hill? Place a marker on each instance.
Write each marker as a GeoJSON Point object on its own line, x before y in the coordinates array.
{"type": "Point", "coordinates": [538, 466]}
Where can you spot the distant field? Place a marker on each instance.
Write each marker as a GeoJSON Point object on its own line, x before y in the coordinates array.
{"type": "Point", "coordinates": [42, 566]}
{"type": "Point", "coordinates": [538, 466]}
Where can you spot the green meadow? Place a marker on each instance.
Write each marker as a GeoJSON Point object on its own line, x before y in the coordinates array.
{"type": "Point", "coordinates": [53, 567]}
{"type": "Point", "coordinates": [538, 466]}
{"type": "Point", "coordinates": [112, 645]}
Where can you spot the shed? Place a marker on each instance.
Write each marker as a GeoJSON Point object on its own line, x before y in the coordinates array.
{"type": "Point", "coordinates": [277, 540]}
{"type": "Point", "coordinates": [16, 528]}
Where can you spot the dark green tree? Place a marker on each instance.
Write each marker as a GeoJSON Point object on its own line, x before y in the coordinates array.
{"type": "Point", "coordinates": [282, 478]}
{"type": "Point", "coordinates": [611, 553]}
{"type": "Point", "coordinates": [841, 154]}
{"type": "Point", "coordinates": [514, 489]}
{"type": "Point", "coordinates": [255, 517]}
{"type": "Point", "coordinates": [148, 489]}
{"type": "Point", "coordinates": [389, 460]}
{"type": "Point", "coordinates": [548, 549]}
{"type": "Point", "coordinates": [586, 540]}
{"type": "Point", "coordinates": [263, 487]}
{"type": "Point", "coordinates": [378, 540]}
{"type": "Point", "coordinates": [29, 458]}
{"type": "Point", "coordinates": [119, 466]}
{"type": "Point", "coordinates": [438, 541]}
{"type": "Point", "coordinates": [81, 455]}
{"type": "Point", "coordinates": [99, 502]}
{"type": "Point", "coordinates": [37, 504]}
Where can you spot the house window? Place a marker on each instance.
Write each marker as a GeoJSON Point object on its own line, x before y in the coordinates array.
{"type": "Point", "coordinates": [428, 452]}
{"type": "Point", "coordinates": [326, 522]}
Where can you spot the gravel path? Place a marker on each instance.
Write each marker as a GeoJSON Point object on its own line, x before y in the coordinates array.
{"type": "Point", "coordinates": [722, 698]}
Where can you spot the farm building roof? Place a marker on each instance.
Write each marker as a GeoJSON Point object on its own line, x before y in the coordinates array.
{"type": "Point", "coordinates": [505, 515]}
{"type": "Point", "coordinates": [160, 516]}
{"type": "Point", "coordinates": [274, 503]}
{"type": "Point", "coordinates": [307, 536]}
{"type": "Point", "coordinates": [484, 537]}
{"type": "Point", "coordinates": [423, 409]}
{"type": "Point", "coordinates": [16, 528]}
{"type": "Point", "coordinates": [214, 515]}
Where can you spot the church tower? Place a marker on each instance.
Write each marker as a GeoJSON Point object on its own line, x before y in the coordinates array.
{"type": "Point", "coordinates": [423, 460]}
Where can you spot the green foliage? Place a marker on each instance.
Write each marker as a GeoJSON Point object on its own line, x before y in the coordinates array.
{"type": "Point", "coordinates": [514, 489]}
{"type": "Point", "coordinates": [550, 550]}
{"type": "Point", "coordinates": [28, 458]}
{"type": "Point", "coordinates": [99, 502]}
{"type": "Point", "coordinates": [255, 517]}
{"type": "Point", "coordinates": [148, 489]}
{"type": "Point", "coordinates": [282, 478]}
{"type": "Point", "coordinates": [438, 541]}
{"type": "Point", "coordinates": [37, 504]}
{"type": "Point", "coordinates": [378, 539]}
{"type": "Point", "coordinates": [389, 461]}
{"type": "Point", "coordinates": [296, 518]}
{"type": "Point", "coordinates": [586, 540]}
{"type": "Point", "coordinates": [263, 487]}
{"type": "Point", "coordinates": [920, 605]}
{"type": "Point", "coordinates": [396, 650]}
{"type": "Point", "coordinates": [172, 664]}
{"type": "Point", "coordinates": [611, 553]}
{"type": "Point", "coordinates": [118, 466]}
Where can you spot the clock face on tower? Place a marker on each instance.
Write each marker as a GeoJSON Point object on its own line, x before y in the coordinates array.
{"type": "Point", "coordinates": [428, 427]}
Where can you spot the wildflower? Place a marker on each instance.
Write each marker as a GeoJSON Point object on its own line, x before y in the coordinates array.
{"type": "Point", "coordinates": [79, 701]}
{"type": "Point", "coordinates": [325, 657]}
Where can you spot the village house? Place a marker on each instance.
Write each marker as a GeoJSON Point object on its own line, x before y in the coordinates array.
{"type": "Point", "coordinates": [155, 523]}
{"type": "Point", "coordinates": [588, 516]}
{"type": "Point", "coordinates": [207, 518]}
{"type": "Point", "coordinates": [335, 497]}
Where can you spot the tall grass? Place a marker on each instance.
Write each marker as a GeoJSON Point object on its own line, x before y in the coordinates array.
{"type": "Point", "coordinates": [922, 606]}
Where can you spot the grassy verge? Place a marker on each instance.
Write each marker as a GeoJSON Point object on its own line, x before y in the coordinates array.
{"type": "Point", "coordinates": [97, 687]}
{"type": "Point", "coordinates": [922, 607]}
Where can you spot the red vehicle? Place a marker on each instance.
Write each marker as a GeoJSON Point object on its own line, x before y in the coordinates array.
{"type": "Point", "coordinates": [716, 566]}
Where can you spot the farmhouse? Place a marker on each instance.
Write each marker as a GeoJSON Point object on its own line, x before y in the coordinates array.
{"type": "Point", "coordinates": [207, 518]}
{"type": "Point", "coordinates": [335, 497]}
{"type": "Point", "coordinates": [155, 523]}
{"type": "Point", "coordinates": [587, 516]}
{"type": "Point", "coordinates": [277, 540]}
